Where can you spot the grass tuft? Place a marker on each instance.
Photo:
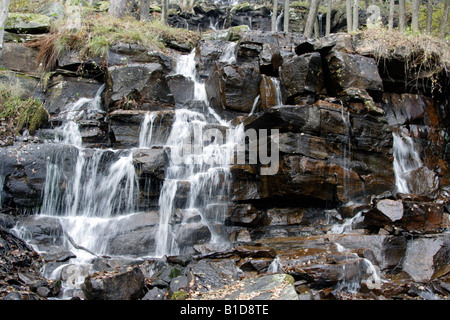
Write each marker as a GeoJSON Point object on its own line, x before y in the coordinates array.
{"type": "Point", "coordinates": [99, 32]}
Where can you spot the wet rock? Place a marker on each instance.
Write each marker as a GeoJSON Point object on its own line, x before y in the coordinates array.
{"type": "Point", "coordinates": [24, 167]}
{"type": "Point", "coordinates": [214, 274]}
{"type": "Point", "coordinates": [321, 264]}
{"type": "Point", "coordinates": [314, 179]}
{"type": "Point", "coordinates": [233, 87]}
{"type": "Point", "coordinates": [305, 144]}
{"type": "Point", "coordinates": [270, 96]}
{"type": "Point", "coordinates": [126, 127]}
{"type": "Point", "coordinates": [151, 162]}
{"type": "Point", "coordinates": [244, 215]}
{"type": "Point", "coordinates": [371, 134]}
{"type": "Point", "coordinates": [129, 53]}
{"type": "Point", "coordinates": [255, 251]}
{"type": "Point", "coordinates": [43, 230]}
{"type": "Point", "coordinates": [302, 75]}
{"type": "Point", "coordinates": [386, 251]}
{"type": "Point", "coordinates": [418, 261]}
{"type": "Point", "coordinates": [126, 284]}
{"type": "Point", "coordinates": [213, 250]}
{"type": "Point", "coordinates": [208, 53]}
{"type": "Point", "coordinates": [135, 236]}
{"type": "Point", "coordinates": [283, 41]}
{"type": "Point", "coordinates": [423, 217]}
{"type": "Point", "coordinates": [405, 108]}
{"type": "Point", "coordinates": [353, 71]}
{"type": "Point", "coordinates": [192, 233]}
{"type": "Point", "coordinates": [63, 90]}
{"type": "Point", "coordinates": [391, 210]}
{"type": "Point", "coordinates": [140, 82]}
{"type": "Point", "coordinates": [298, 119]}
{"type": "Point", "coordinates": [182, 89]}
{"type": "Point", "coordinates": [260, 265]}
{"type": "Point", "coordinates": [179, 283]}
{"type": "Point", "coordinates": [423, 182]}
{"type": "Point", "coordinates": [441, 262]}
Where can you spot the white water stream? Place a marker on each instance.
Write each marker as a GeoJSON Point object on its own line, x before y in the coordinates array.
{"type": "Point", "coordinates": [406, 159]}
{"type": "Point", "coordinates": [200, 158]}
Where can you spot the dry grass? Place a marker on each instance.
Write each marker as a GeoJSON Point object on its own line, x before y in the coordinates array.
{"type": "Point", "coordinates": [99, 32]}
{"type": "Point", "coordinates": [420, 50]}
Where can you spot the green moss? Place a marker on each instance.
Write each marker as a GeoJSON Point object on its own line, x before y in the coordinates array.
{"type": "Point", "coordinates": [297, 4]}
{"type": "Point", "coordinates": [21, 114]}
{"type": "Point", "coordinates": [179, 295]}
{"type": "Point", "coordinates": [15, 18]}
{"type": "Point", "coordinates": [27, 6]}
{"type": "Point", "coordinates": [174, 273]}
{"type": "Point", "coordinates": [242, 7]}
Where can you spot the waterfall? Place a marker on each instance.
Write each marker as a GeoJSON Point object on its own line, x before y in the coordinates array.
{"type": "Point", "coordinates": [255, 104]}
{"type": "Point", "coordinates": [279, 21]}
{"type": "Point", "coordinates": [2, 181]}
{"type": "Point", "coordinates": [406, 159]}
{"type": "Point", "coordinates": [320, 22]}
{"type": "Point", "coordinates": [348, 224]}
{"type": "Point", "coordinates": [88, 190]}
{"type": "Point", "coordinates": [229, 54]}
{"type": "Point", "coordinates": [199, 161]}
{"type": "Point", "coordinates": [146, 131]}
{"type": "Point", "coordinates": [369, 275]}
{"type": "Point", "coordinates": [346, 147]}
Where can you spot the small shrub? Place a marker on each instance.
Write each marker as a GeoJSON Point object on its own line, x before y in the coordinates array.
{"type": "Point", "coordinates": [20, 114]}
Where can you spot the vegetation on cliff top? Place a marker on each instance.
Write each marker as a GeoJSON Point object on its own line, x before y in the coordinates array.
{"type": "Point", "coordinates": [98, 32]}
{"type": "Point", "coordinates": [430, 54]}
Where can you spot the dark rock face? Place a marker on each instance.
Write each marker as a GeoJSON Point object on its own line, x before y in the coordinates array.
{"type": "Point", "coordinates": [314, 143]}
{"type": "Point", "coordinates": [126, 124]}
{"type": "Point", "coordinates": [65, 90]}
{"type": "Point", "coordinates": [143, 82]}
{"type": "Point", "coordinates": [122, 285]}
{"type": "Point", "coordinates": [302, 75]}
{"type": "Point", "coordinates": [19, 58]}
{"type": "Point", "coordinates": [207, 54]}
{"type": "Point", "coordinates": [412, 216]}
{"type": "Point", "coordinates": [353, 71]}
{"type": "Point", "coordinates": [233, 88]}
{"type": "Point", "coordinates": [24, 168]}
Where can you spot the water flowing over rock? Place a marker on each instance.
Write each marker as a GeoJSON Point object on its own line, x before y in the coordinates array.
{"type": "Point", "coordinates": [259, 165]}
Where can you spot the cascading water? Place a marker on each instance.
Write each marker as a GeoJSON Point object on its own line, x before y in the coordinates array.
{"type": "Point", "coordinates": [369, 274]}
{"type": "Point", "coordinates": [2, 181]}
{"type": "Point", "coordinates": [406, 159]}
{"type": "Point", "coordinates": [229, 54]}
{"type": "Point", "coordinates": [146, 131]}
{"type": "Point", "coordinates": [346, 152]}
{"type": "Point", "coordinates": [89, 191]}
{"type": "Point", "coordinates": [200, 158]}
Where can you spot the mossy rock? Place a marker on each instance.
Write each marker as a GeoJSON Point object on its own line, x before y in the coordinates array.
{"type": "Point", "coordinates": [27, 23]}
{"type": "Point", "coordinates": [243, 7]}
{"type": "Point", "coordinates": [179, 295]}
